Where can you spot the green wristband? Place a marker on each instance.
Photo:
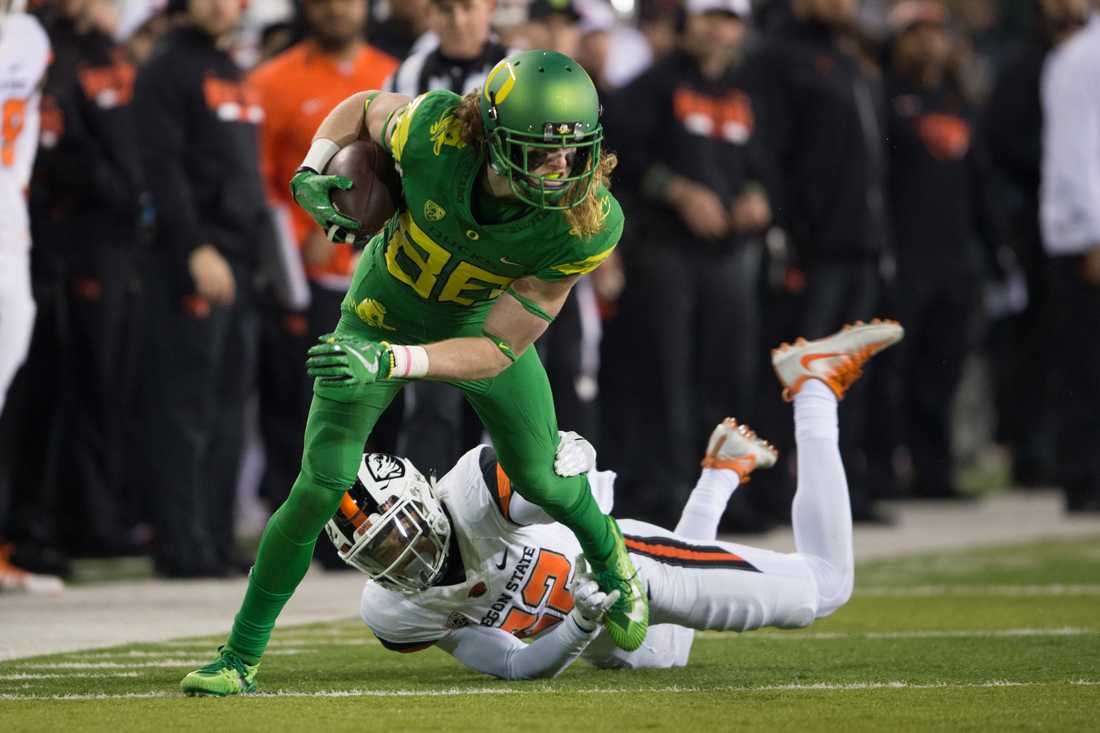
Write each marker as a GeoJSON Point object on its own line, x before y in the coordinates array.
{"type": "Point", "coordinates": [530, 306]}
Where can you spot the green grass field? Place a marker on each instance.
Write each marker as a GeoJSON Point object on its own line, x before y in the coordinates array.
{"type": "Point", "coordinates": [982, 640]}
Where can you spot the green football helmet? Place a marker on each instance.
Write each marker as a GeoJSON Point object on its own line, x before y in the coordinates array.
{"type": "Point", "coordinates": [532, 104]}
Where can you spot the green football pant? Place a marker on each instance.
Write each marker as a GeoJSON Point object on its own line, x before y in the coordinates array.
{"type": "Point", "coordinates": [516, 407]}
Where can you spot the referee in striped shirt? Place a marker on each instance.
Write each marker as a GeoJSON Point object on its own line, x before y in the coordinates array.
{"type": "Point", "coordinates": [465, 53]}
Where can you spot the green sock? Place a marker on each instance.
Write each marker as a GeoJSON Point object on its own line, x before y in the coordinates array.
{"type": "Point", "coordinates": [281, 563]}
{"type": "Point", "coordinates": [589, 525]}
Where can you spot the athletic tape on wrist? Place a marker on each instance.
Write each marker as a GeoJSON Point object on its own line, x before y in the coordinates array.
{"type": "Point", "coordinates": [409, 362]}
{"type": "Point", "coordinates": [530, 306]}
{"type": "Point", "coordinates": [504, 346]}
{"type": "Point", "coordinates": [320, 153]}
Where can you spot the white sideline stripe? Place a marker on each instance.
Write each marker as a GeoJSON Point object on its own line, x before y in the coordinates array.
{"type": "Point", "coordinates": [541, 689]}
{"type": "Point", "coordinates": [290, 642]}
{"type": "Point", "coordinates": [33, 676]}
{"type": "Point", "coordinates": [1011, 591]}
{"type": "Point", "coordinates": [119, 665]}
{"type": "Point", "coordinates": [931, 634]}
{"type": "Point", "coordinates": [78, 657]}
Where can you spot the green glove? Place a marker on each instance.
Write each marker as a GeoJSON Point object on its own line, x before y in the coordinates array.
{"type": "Point", "coordinates": [342, 361]}
{"type": "Point", "coordinates": [312, 192]}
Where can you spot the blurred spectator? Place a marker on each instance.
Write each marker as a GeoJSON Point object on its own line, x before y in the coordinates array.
{"type": "Point", "coordinates": [552, 24]}
{"type": "Point", "coordinates": [613, 53]}
{"type": "Point", "coordinates": [297, 89]}
{"type": "Point", "coordinates": [940, 210]}
{"type": "Point", "coordinates": [198, 138]}
{"type": "Point", "coordinates": [24, 57]}
{"type": "Point", "coordinates": [657, 22]}
{"type": "Point", "coordinates": [822, 121]}
{"type": "Point", "coordinates": [86, 200]}
{"type": "Point", "coordinates": [406, 22]}
{"type": "Point", "coordinates": [686, 131]}
{"type": "Point", "coordinates": [466, 52]}
{"type": "Point", "coordinates": [1020, 342]}
{"type": "Point", "coordinates": [1070, 217]}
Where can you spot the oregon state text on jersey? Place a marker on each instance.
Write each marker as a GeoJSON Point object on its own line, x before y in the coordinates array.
{"type": "Point", "coordinates": [435, 270]}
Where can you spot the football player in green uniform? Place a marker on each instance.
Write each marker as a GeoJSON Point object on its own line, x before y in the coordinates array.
{"type": "Point", "coordinates": [505, 207]}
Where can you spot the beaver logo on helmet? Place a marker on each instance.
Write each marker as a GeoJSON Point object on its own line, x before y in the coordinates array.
{"type": "Point", "coordinates": [384, 467]}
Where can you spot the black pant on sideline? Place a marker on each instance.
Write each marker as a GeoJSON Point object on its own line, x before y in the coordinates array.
{"type": "Point", "coordinates": [202, 361]}
{"type": "Point", "coordinates": [695, 359]}
{"type": "Point", "coordinates": [939, 313]}
{"type": "Point", "coordinates": [1076, 311]}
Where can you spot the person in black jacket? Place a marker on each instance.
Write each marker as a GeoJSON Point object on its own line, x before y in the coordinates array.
{"type": "Point", "coordinates": [197, 132]}
{"type": "Point", "coordinates": [942, 215]}
{"type": "Point", "coordinates": [1022, 363]}
{"type": "Point", "coordinates": [84, 202]}
{"type": "Point", "coordinates": [822, 121]}
{"type": "Point", "coordinates": [686, 129]}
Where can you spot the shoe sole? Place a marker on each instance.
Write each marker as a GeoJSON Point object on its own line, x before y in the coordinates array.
{"type": "Point", "coordinates": [786, 351]}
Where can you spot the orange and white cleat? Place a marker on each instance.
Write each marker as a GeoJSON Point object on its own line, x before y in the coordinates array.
{"type": "Point", "coordinates": [739, 449]}
{"type": "Point", "coordinates": [14, 579]}
{"type": "Point", "coordinates": [836, 360]}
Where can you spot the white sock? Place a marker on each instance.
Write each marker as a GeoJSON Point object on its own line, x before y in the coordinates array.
{"type": "Point", "coordinates": [707, 503]}
{"type": "Point", "coordinates": [821, 512]}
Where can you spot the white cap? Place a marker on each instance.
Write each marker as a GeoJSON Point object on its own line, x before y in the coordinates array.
{"type": "Point", "coordinates": [740, 8]}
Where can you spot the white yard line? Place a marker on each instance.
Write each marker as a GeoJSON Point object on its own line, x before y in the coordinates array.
{"type": "Point", "coordinates": [69, 676]}
{"type": "Point", "coordinates": [916, 634]}
{"type": "Point", "coordinates": [542, 690]}
{"type": "Point", "coordinates": [284, 652]}
{"type": "Point", "coordinates": [1011, 591]}
{"type": "Point", "coordinates": [119, 665]}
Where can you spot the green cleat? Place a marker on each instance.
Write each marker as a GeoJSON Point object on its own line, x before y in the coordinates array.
{"type": "Point", "coordinates": [628, 620]}
{"type": "Point", "coordinates": [226, 675]}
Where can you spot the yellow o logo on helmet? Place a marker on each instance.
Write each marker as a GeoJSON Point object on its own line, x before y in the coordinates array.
{"type": "Point", "coordinates": [505, 88]}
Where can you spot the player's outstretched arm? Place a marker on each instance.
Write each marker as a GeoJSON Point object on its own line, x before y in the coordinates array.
{"type": "Point", "coordinates": [515, 322]}
{"type": "Point", "coordinates": [496, 652]}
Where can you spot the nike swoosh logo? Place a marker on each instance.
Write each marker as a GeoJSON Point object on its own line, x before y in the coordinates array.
{"type": "Point", "coordinates": [507, 261]}
{"type": "Point", "coordinates": [371, 365]}
{"type": "Point", "coordinates": [811, 358]}
{"type": "Point", "coordinates": [503, 561]}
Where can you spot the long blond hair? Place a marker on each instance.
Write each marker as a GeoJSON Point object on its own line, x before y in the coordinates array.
{"type": "Point", "coordinates": [585, 218]}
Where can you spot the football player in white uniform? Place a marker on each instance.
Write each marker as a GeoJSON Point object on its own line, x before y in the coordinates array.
{"type": "Point", "coordinates": [24, 56]}
{"type": "Point", "coordinates": [469, 566]}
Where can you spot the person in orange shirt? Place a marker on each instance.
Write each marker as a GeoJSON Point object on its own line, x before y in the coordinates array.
{"type": "Point", "coordinates": [297, 89]}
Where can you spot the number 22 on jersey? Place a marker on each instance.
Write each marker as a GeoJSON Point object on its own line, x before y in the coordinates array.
{"type": "Point", "coordinates": [547, 581]}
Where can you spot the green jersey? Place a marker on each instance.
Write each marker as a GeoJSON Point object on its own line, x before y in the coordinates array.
{"type": "Point", "coordinates": [435, 271]}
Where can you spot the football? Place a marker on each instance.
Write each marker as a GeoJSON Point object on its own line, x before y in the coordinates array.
{"type": "Point", "coordinates": [377, 190]}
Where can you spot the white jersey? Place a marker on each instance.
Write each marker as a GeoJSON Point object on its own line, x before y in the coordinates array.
{"type": "Point", "coordinates": [518, 578]}
{"type": "Point", "coordinates": [24, 56]}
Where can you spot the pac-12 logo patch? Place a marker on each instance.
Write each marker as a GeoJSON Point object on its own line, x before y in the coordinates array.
{"type": "Point", "coordinates": [433, 211]}
{"type": "Point", "coordinates": [383, 466]}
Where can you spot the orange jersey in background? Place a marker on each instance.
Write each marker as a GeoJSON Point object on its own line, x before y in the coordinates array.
{"type": "Point", "coordinates": [297, 89]}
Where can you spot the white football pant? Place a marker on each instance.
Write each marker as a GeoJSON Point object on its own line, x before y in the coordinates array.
{"type": "Point", "coordinates": [696, 582]}
{"type": "Point", "coordinates": [16, 316]}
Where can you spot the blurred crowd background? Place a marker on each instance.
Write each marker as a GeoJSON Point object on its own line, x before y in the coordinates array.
{"type": "Point", "coordinates": [785, 166]}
